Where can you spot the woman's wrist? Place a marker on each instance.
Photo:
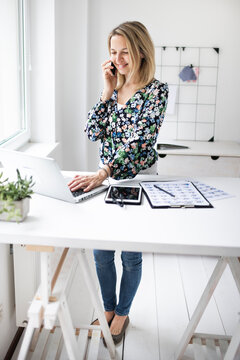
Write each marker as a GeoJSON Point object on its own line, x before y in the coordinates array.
{"type": "Point", "coordinates": [107, 169]}
{"type": "Point", "coordinates": [102, 173]}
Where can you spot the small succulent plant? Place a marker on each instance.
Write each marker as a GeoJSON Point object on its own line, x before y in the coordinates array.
{"type": "Point", "coordinates": [14, 191]}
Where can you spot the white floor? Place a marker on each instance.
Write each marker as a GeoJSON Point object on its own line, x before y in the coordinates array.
{"type": "Point", "coordinates": [168, 294]}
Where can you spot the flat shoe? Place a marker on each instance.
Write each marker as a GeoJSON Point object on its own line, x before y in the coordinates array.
{"type": "Point", "coordinates": [118, 338]}
{"type": "Point", "coordinates": [93, 323]}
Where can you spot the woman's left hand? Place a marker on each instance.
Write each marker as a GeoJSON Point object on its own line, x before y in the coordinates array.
{"type": "Point", "coordinates": [87, 182]}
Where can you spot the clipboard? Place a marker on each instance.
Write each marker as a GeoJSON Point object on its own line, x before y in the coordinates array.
{"type": "Point", "coordinates": [174, 194]}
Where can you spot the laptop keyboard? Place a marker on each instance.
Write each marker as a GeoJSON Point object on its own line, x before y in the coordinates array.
{"type": "Point", "coordinates": [78, 192]}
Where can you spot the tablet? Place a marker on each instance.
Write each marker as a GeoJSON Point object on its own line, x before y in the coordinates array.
{"type": "Point", "coordinates": [122, 194]}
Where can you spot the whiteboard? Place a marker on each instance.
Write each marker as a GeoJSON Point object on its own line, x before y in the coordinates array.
{"type": "Point", "coordinates": [191, 110]}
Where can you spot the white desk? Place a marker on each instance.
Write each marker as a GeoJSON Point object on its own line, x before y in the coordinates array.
{"type": "Point", "coordinates": [94, 224]}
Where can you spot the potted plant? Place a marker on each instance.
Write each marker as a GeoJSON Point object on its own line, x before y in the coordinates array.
{"type": "Point", "coordinates": [14, 198]}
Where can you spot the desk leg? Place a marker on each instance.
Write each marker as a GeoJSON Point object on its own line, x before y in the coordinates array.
{"type": "Point", "coordinates": [234, 345]}
{"type": "Point", "coordinates": [206, 296]}
{"type": "Point", "coordinates": [96, 301]}
{"type": "Point", "coordinates": [68, 330]}
{"type": "Point", "coordinates": [37, 307]}
{"type": "Point", "coordinates": [45, 278]}
{"type": "Point", "coordinates": [26, 340]}
{"type": "Point", "coordinates": [234, 264]}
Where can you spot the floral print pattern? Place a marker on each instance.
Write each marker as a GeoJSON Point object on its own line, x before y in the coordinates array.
{"type": "Point", "coordinates": [128, 134]}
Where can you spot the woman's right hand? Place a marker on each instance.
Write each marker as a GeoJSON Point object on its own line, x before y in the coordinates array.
{"type": "Point", "coordinates": [88, 182]}
{"type": "Point", "coordinates": [110, 80]}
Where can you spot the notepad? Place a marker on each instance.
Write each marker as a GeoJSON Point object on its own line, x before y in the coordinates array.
{"type": "Point", "coordinates": [174, 194]}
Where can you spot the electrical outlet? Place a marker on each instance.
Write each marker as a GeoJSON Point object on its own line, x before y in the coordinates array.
{"type": "Point", "coordinates": [1, 311]}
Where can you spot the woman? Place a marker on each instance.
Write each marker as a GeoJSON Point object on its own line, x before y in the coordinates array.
{"type": "Point", "coordinates": [126, 120]}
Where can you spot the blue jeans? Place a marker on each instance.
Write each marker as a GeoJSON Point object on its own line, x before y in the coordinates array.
{"type": "Point", "coordinates": [131, 276]}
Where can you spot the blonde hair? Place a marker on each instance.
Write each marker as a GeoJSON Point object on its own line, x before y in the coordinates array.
{"type": "Point", "coordinates": [141, 51]}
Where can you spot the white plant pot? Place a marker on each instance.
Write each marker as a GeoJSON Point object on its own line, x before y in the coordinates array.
{"type": "Point", "coordinates": [22, 205]}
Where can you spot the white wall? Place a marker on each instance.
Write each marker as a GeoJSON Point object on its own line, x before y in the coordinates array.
{"type": "Point", "coordinates": [71, 80]}
{"type": "Point", "coordinates": [42, 76]}
{"type": "Point", "coordinates": [187, 22]}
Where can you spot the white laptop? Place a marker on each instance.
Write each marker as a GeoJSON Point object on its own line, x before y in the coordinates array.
{"type": "Point", "coordinates": [46, 174]}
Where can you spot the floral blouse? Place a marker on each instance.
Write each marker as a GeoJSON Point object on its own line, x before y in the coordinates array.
{"type": "Point", "coordinates": [128, 134]}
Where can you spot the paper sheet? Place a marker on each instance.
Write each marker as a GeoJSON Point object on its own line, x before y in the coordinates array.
{"type": "Point", "coordinates": [210, 192]}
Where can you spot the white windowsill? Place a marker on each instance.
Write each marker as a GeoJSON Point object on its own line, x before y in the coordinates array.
{"type": "Point", "coordinates": [39, 149]}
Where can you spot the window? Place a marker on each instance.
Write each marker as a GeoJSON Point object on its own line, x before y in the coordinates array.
{"type": "Point", "coordinates": [14, 124]}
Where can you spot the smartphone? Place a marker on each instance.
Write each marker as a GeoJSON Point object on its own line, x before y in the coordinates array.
{"type": "Point", "coordinates": [114, 68]}
{"type": "Point", "coordinates": [123, 194]}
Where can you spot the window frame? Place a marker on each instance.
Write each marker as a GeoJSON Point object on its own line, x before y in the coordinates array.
{"type": "Point", "coordinates": [22, 136]}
